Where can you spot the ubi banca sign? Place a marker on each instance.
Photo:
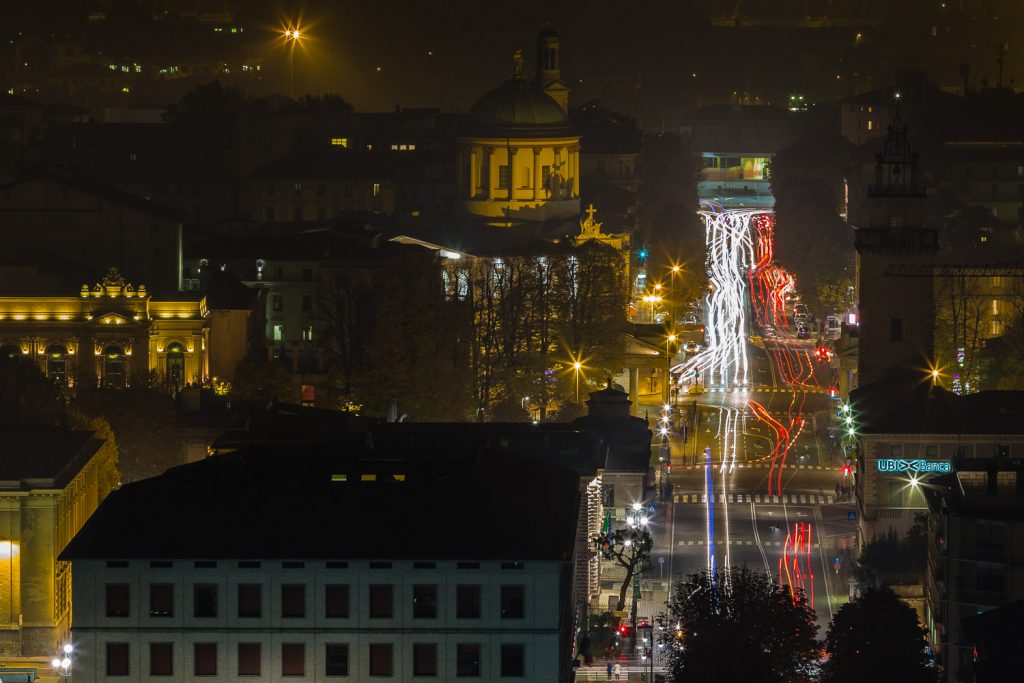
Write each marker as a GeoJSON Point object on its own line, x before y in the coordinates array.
{"type": "Point", "coordinates": [900, 465]}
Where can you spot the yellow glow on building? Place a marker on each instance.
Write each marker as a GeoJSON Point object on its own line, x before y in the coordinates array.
{"type": "Point", "coordinates": [8, 549]}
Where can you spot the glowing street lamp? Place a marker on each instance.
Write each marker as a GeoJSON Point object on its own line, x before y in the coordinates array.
{"type": "Point", "coordinates": [62, 665]}
{"type": "Point", "coordinates": [292, 35]}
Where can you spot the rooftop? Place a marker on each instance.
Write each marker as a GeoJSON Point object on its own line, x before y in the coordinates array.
{"type": "Point", "coordinates": [350, 503]}
{"type": "Point", "coordinates": [518, 108]}
{"type": "Point", "coordinates": [43, 457]}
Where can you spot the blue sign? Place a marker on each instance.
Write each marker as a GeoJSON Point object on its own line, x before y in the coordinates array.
{"type": "Point", "coordinates": [899, 465]}
{"type": "Point", "coordinates": [650, 509]}
{"type": "Point", "coordinates": [851, 515]}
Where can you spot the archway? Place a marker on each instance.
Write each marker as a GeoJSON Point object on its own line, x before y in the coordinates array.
{"type": "Point", "coordinates": [114, 367]}
{"type": "Point", "coordinates": [57, 364]}
{"type": "Point", "coordinates": [175, 366]}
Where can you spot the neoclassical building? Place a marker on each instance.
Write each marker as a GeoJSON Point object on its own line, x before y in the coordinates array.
{"type": "Point", "coordinates": [519, 155]}
{"type": "Point", "coordinates": [114, 334]}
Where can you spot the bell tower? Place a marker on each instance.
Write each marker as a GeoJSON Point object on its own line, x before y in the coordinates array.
{"type": "Point", "coordinates": [896, 254]}
{"type": "Point", "coordinates": [549, 71]}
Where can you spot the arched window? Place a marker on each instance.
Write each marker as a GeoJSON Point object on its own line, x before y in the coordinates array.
{"type": "Point", "coordinates": [9, 351]}
{"type": "Point", "coordinates": [114, 367]}
{"type": "Point", "coordinates": [57, 364]}
{"type": "Point", "coordinates": [175, 366]}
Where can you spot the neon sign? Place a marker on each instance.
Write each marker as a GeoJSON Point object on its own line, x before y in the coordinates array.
{"type": "Point", "coordinates": [921, 466]}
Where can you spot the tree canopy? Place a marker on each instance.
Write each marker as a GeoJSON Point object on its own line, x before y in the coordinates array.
{"type": "Point", "coordinates": [738, 624]}
{"type": "Point", "coordinates": [876, 634]}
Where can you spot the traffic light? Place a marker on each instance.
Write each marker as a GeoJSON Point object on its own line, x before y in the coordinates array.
{"type": "Point", "coordinates": [833, 392]}
{"type": "Point", "coordinates": [846, 470]}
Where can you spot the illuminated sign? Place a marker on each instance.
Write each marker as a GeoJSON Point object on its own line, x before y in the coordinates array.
{"type": "Point", "coordinates": [899, 465]}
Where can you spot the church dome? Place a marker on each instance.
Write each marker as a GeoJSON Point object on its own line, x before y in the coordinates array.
{"type": "Point", "coordinates": [518, 109]}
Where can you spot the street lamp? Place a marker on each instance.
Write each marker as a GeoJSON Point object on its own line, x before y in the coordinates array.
{"type": "Point", "coordinates": [292, 36]}
{"type": "Point", "coordinates": [62, 665]}
{"type": "Point", "coordinates": [577, 366]}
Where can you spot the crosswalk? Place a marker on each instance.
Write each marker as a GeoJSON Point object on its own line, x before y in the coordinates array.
{"type": "Point", "coordinates": [786, 498]}
{"type": "Point", "coordinates": [772, 544]}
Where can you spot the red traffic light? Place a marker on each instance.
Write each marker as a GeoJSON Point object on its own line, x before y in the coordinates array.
{"type": "Point", "coordinates": [846, 470]}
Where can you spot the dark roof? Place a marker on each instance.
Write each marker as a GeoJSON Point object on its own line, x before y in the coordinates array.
{"type": "Point", "coordinates": [98, 189]}
{"type": "Point", "coordinates": [17, 103]}
{"type": "Point", "coordinates": [289, 504]}
{"type": "Point", "coordinates": [738, 112]}
{"type": "Point", "coordinates": [906, 402]}
{"type": "Point", "coordinates": [45, 456]}
{"type": "Point", "coordinates": [518, 109]}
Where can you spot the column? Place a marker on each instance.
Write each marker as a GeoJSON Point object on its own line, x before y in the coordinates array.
{"type": "Point", "coordinates": [513, 157]}
{"type": "Point", "coordinates": [574, 191]}
{"type": "Point", "coordinates": [634, 390]}
{"type": "Point", "coordinates": [536, 174]}
{"type": "Point", "coordinates": [474, 170]}
{"type": "Point", "coordinates": [489, 175]}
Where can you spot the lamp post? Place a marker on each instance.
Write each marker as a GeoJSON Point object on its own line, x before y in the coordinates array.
{"type": "Point", "coordinates": [675, 270]}
{"type": "Point", "coordinates": [577, 366]}
{"type": "Point", "coordinates": [292, 36]}
{"type": "Point", "coordinates": [62, 665]}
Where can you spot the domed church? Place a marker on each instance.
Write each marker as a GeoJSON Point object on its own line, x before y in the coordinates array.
{"type": "Point", "coordinates": [519, 155]}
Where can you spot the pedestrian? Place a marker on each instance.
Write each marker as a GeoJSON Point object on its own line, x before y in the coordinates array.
{"type": "Point", "coordinates": [617, 669]}
{"type": "Point", "coordinates": [610, 669]}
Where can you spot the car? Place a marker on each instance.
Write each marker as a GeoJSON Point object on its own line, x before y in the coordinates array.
{"type": "Point", "coordinates": [695, 389]}
{"type": "Point", "coordinates": [803, 333]}
{"type": "Point", "coordinates": [690, 347]}
{"type": "Point", "coordinates": [801, 317]}
{"type": "Point", "coordinates": [689, 320]}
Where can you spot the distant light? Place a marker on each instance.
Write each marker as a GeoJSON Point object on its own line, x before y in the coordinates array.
{"type": "Point", "coordinates": [935, 374]}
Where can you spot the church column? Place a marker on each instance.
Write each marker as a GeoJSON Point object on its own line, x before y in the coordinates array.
{"type": "Point", "coordinates": [513, 157]}
{"type": "Point", "coordinates": [536, 174]}
{"type": "Point", "coordinates": [575, 189]}
{"type": "Point", "coordinates": [488, 177]}
{"type": "Point", "coordinates": [474, 170]}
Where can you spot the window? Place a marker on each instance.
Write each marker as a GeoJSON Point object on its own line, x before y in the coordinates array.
{"type": "Point", "coordinates": [895, 329]}
{"type": "Point", "coordinates": [250, 600]}
{"type": "Point", "coordinates": [297, 188]}
{"type": "Point", "coordinates": [376, 189]}
{"type": "Point", "coordinates": [513, 601]}
{"type": "Point", "coordinates": [293, 659]}
{"type": "Point", "coordinates": [995, 307]}
{"type": "Point", "coordinates": [248, 659]}
{"type": "Point", "coordinates": [467, 601]}
{"type": "Point", "coordinates": [117, 659]}
{"type": "Point", "coordinates": [381, 602]}
{"type": "Point", "coordinates": [293, 601]}
{"type": "Point", "coordinates": [204, 600]}
{"type": "Point", "coordinates": [513, 660]}
{"type": "Point", "coordinates": [278, 331]}
{"type": "Point", "coordinates": [336, 663]}
{"type": "Point", "coordinates": [545, 175]}
{"type": "Point", "coordinates": [339, 142]}
{"type": "Point", "coordinates": [996, 328]}
{"type": "Point", "coordinates": [380, 659]}
{"type": "Point", "coordinates": [424, 659]}
{"type": "Point", "coordinates": [204, 659]}
{"type": "Point", "coordinates": [526, 176]}
{"type": "Point", "coordinates": [307, 303]}
{"type": "Point", "coordinates": [503, 176]}
{"type": "Point", "coordinates": [161, 659]}
{"type": "Point", "coordinates": [270, 215]}
{"type": "Point", "coordinates": [118, 595]}
{"type": "Point", "coordinates": [424, 602]}
{"type": "Point", "coordinates": [278, 302]}
{"type": "Point", "coordinates": [336, 601]}
{"type": "Point", "coordinates": [161, 600]}
{"type": "Point", "coordinates": [997, 281]}
{"type": "Point", "coordinates": [467, 660]}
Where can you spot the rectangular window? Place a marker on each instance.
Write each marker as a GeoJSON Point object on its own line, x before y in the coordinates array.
{"type": "Point", "coordinates": [503, 177]}
{"type": "Point", "coordinates": [381, 663]}
{"type": "Point", "coordinates": [513, 602]}
{"type": "Point", "coordinates": [424, 659]}
{"type": "Point", "coordinates": [336, 601]}
{"type": "Point", "coordinates": [161, 659]}
{"type": "Point", "coordinates": [293, 601]}
{"type": "Point", "coordinates": [996, 328]}
{"type": "Point", "coordinates": [513, 660]}
{"type": "Point", "coordinates": [545, 175]}
{"type": "Point", "coordinates": [997, 281]}
{"type": "Point", "coordinates": [117, 659]}
{"type": "Point", "coordinates": [307, 303]}
{"type": "Point", "coordinates": [204, 600]}
{"type": "Point", "coordinates": [376, 189]}
{"type": "Point", "coordinates": [161, 600]}
{"type": "Point", "coordinates": [297, 188]}
{"type": "Point", "coordinates": [118, 596]}
{"type": "Point", "coordinates": [293, 659]}
{"type": "Point", "coordinates": [895, 329]}
{"type": "Point", "coordinates": [248, 659]}
{"type": "Point", "coordinates": [277, 302]}
{"type": "Point", "coordinates": [467, 601]}
{"type": "Point", "coordinates": [467, 660]}
{"type": "Point", "coordinates": [995, 307]}
{"type": "Point", "coordinates": [339, 142]}
{"type": "Point", "coordinates": [336, 663]}
{"type": "Point", "coordinates": [424, 602]}
{"type": "Point", "coordinates": [204, 659]}
{"type": "Point", "coordinates": [250, 600]}
{"type": "Point", "coordinates": [381, 602]}
{"type": "Point", "coordinates": [278, 331]}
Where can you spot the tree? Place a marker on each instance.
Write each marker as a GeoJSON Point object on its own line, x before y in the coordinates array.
{"type": "Point", "coordinates": [890, 554]}
{"type": "Point", "coordinates": [876, 634]}
{"type": "Point", "coordinates": [27, 397]}
{"type": "Point", "coordinates": [208, 102]}
{"type": "Point", "coordinates": [630, 548]}
{"type": "Point", "coordinates": [257, 378]}
{"type": "Point", "coordinates": [737, 624]}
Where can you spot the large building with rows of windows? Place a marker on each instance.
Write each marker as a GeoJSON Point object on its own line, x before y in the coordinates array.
{"type": "Point", "coordinates": [314, 567]}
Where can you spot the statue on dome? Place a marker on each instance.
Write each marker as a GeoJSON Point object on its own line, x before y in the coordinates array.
{"type": "Point", "coordinates": [517, 64]}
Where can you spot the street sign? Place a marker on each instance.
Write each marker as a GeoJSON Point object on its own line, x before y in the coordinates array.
{"type": "Point", "coordinates": [650, 509]}
{"type": "Point", "coordinates": [707, 452]}
{"type": "Point", "coordinates": [851, 515]}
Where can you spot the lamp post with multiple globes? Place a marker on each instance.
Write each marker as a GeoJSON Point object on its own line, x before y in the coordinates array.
{"type": "Point", "coordinates": [62, 665]}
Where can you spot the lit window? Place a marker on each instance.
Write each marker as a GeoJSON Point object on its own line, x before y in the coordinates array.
{"type": "Point", "coordinates": [339, 142]}
{"type": "Point", "coordinates": [376, 189]}
{"type": "Point", "coordinates": [394, 148]}
{"type": "Point", "coordinates": [870, 125]}
{"type": "Point", "coordinates": [412, 147]}
{"type": "Point", "coordinates": [995, 306]}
